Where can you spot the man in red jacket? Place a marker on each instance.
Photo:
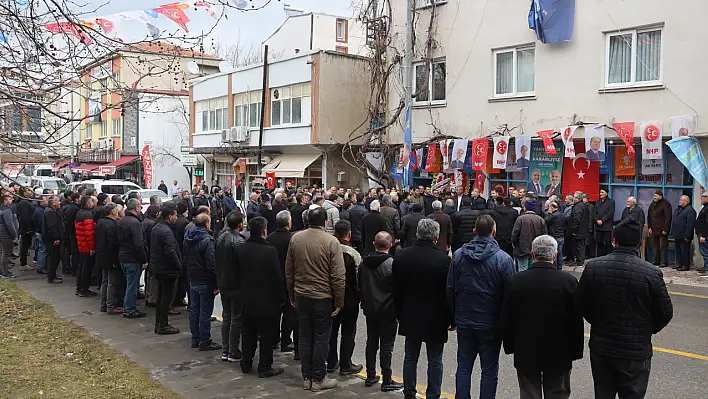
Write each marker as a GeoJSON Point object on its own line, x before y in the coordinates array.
{"type": "Point", "coordinates": [85, 228]}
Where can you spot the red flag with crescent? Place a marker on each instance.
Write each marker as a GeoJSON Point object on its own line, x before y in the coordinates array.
{"type": "Point", "coordinates": [479, 154]}
{"type": "Point", "coordinates": [433, 160]}
{"type": "Point", "coordinates": [70, 29]}
{"type": "Point", "coordinates": [479, 179]}
{"type": "Point", "coordinates": [579, 174]}
{"type": "Point", "coordinates": [548, 145]}
{"type": "Point", "coordinates": [625, 131]}
{"type": "Point", "coordinates": [270, 179]}
{"type": "Point", "coordinates": [174, 12]}
{"type": "Point", "coordinates": [106, 25]}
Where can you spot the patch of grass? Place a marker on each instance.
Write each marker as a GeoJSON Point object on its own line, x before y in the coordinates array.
{"type": "Point", "coordinates": [43, 356]}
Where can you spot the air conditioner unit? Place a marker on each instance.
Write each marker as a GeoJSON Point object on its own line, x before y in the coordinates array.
{"type": "Point", "coordinates": [225, 138]}
{"type": "Point", "coordinates": [239, 134]}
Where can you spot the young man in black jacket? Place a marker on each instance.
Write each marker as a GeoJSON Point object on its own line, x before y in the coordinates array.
{"type": "Point", "coordinates": [229, 283]}
{"type": "Point", "coordinates": [200, 261]}
{"type": "Point", "coordinates": [263, 297]}
{"type": "Point", "coordinates": [132, 256]}
{"type": "Point", "coordinates": [25, 216]}
{"type": "Point", "coordinates": [504, 216]}
{"type": "Point", "coordinates": [540, 324]}
{"type": "Point", "coordinates": [107, 248]}
{"type": "Point", "coordinates": [376, 288]}
{"type": "Point", "coordinates": [280, 239]}
{"type": "Point", "coordinates": [625, 300]}
{"type": "Point", "coordinates": [148, 223]}
{"type": "Point", "coordinates": [555, 224]}
{"type": "Point", "coordinates": [68, 218]}
{"type": "Point", "coordinates": [347, 317]}
{"type": "Point", "coordinates": [53, 235]}
{"type": "Point", "coordinates": [165, 265]}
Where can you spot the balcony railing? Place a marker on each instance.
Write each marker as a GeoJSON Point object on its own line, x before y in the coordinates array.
{"type": "Point", "coordinates": [98, 155]}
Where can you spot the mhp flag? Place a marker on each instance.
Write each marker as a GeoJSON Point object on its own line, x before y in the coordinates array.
{"type": "Point", "coordinates": [552, 20]}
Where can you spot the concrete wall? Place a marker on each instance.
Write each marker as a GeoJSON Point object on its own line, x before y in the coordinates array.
{"type": "Point", "coordinates": [342, 97]}
{"type": "Point", "coordinates": [569, 76]}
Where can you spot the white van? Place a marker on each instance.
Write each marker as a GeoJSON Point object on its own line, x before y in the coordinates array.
{"type": "Point", "coordinates": [55, 184]}
{"type": "Point", "coordinates": [109, 187]}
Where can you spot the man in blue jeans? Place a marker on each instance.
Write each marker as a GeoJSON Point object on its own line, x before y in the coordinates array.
{"type": "Point", "coordinates": [702, 232]}
{"type": "Point", "coordinates": [200, 260]}
{"type": "Point", "coordinates": [40, 252]}
{"type": "Point", "coordinates": [475, 292]}
{"type": "Point", "coordinates": [132, 256]}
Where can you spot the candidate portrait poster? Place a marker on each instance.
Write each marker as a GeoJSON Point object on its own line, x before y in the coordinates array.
{"type": "Point", "coordinates": [595, 143]}
{"type": "Point", "coordinates": [523, 151]}
{"type": "Point", "coordinates": [545, 170]}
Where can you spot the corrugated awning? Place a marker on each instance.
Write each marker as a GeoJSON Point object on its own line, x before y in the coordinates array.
{"type": "Point", "coordinates": [290, 165]}
{"type": "Point", "coordinates": [110, 168]}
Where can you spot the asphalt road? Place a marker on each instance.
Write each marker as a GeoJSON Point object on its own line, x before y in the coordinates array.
{"type": "Point", "coordinates": [679, 365]}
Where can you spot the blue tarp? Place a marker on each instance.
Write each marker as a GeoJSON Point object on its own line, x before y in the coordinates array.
{"type": "Point", "coordinates": [552, 20]}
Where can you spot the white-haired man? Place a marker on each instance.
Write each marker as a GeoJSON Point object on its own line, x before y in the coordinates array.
{"type": "Point", "coordinates": [538, 317]}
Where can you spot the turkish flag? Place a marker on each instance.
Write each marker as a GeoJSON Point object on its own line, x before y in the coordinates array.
{"type": "Point", "coordinates": [479, 180]}
{"type": "Point", "coordinates": [174, 12]}
{"type": "Point", "coordinates": [579, 174]}
{"type": "Point", "coordinates": [270, 179]}
{"type": "Point", "coordinates": [479, 153]}
{"type": "Point", "coordinates": [434, 159]}
{"type": "Point", "coordinates": [625, 131]}
{"type": "Point", "coordinates": [548, 141]}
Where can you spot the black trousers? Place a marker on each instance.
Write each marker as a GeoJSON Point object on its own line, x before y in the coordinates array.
{"type": "Point", "coordinates": [579, 245]}
{"type": "Point", "coordinates": [65, 255]}
{"type": "Point", "coordinates": [53, 255]}
{"type": "Point", "coordinates": [358, 245]}
{"type": "Point", "coordinates": [660, 245]}
{"type": "Point", "coordinates": [287, 324]}
{"type": "Point", "coordinates": [683, 252]}
{"type": "Point", "coordinates": [75, 258]}
{"type": "Point", "coordinates": [507, 247]}
{"type": "Point", "coordinates": [83, 274]}
{"type": "Point", "coordinates": [346, 319]}
{"type": "Point", "coordinates": [255, 327]}
{"type": "Point", "coordinates": [165, 290]}
{"type": "Point", "coordinates": [380, 331]}
{"type": "Point", "coordinates": [25, 243]}
{"type": "Point", "coordinates": [232, 325]}
{"type": "Point", "coordinates": [315, 325]}
{"type": "Point", "coordinates": [544, 384]}
{"type": "Point", "coordinates": [624, 377]}
{"type": "Point", "coordinates": [182, 288]}
{"type": "Point", "coordinates": [604, 242]}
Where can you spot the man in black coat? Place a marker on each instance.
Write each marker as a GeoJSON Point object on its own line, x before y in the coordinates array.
{"type": "Point", "coordinates": [541, 325]}
{"type": "Point", "coordinates": [659, 222]}
{"type": "Point", "coordinates": [107, 247]}
{"type": "Point", "coordinates": [555, 225]}
{"type": "Point", "coordinates": [702, 232]}
{"type": "Point", "coordinates": [605, 209]}
{"type": "Point", "coordinates": [228, 277]}
{"type": "Point", "coordinates": [148, 223]}
{"type": "Point", "coordinates": [356, 217]}
{"type": "Point", "coordinates": [634, 212]}
{"type": "Point", "coordinates": [419, 275]}
{"type": "Point", "coordinates": [625, 301]}
{"type": "Point", "coordinates": [504, 216]}
{"type": "Point", "coordinates": [296, 213]}
{"type": "Point", "coordinates": [263, 297]}
{"type": "Point", "coordinates": [463, 222]}
{"type": "Point", "coordinates": [579, 227]}
{"type": "Point", "coordinates": [53, 235]}
{"type": "Point", "coordinates": [68, 218]}
{"type": "Point", "coordinates": [348, 315]}
{"type": "Point", "coordinates": [409, 226]}
{"type": "Point", "coordinates": [179, 228]}
{"type": "Point", "coordinates": [132, 256]}
{"type": "Point", "coordinates": [371, 224]}
{"type": "Point", "coordinates": [165, 265]}
{"type": "Point", "coordinates": [25, 216]}
{"type": "Point", "coordinates": [266, 211]}
{"type": "Point", "coordinates": [682, 232]}
{"type": "Point", "coordinates": [280, 239]}
{"type": "Point", "coordinates": [445, 239]}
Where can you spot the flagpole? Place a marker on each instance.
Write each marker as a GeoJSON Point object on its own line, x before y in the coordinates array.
{"type": "Point", "coordinates": [408, 85]}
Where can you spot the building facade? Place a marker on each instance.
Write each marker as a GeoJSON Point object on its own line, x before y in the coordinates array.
{"type": "Point", "coordinates": [314, 102]}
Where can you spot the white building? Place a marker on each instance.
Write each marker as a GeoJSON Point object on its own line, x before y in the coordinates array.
{"type": "Point", "coordinates": [306, 32]}
{"type": "Point", "coordinates": [314, 102]}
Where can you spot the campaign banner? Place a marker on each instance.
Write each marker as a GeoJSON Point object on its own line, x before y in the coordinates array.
{"type": "Point", "coordinates": [147, 166]}
{"type": "Point", "coordinates": [523, 151]}
{"type": "Point", "coordinates": [651, 140]}
{"type": "Point", "coordinates": [545, 170]}
{"type": "Point", "coordinates": [688, 151]}
{"type": "Point", "coordinates": [567, 138]}
{"type": "Point", "coordinates": [546, 136]}
{"type": "Point", "coordinates": [625, 162]}
{"type": "Point", "coordinates": [682, 126]}
{"type": "Point", "coordinates": [501, 148]}
{"type": "Point", "coordinates": [479, 153]}
{"type": "Point", "coordinates": [652, 167]}
{"type": "Point", "coordinates": [459, 150]}
{"type": "Point", "coordinates": [444, 146]}
{"type": "Point", "coordinates": [595, 143]}
{"type": "Point", "coordinates": [479, 179]}
{"type": "Point", "coordinates": [432, 162]}
{"type": "Point", "coordinates": [625, 131]}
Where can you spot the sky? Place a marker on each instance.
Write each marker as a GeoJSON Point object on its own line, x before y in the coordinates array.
{"type": "Point", "coordinates": [248, 28]}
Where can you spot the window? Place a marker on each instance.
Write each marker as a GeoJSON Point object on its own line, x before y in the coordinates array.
{"type": "Point", "coordinates": [34, 119]}
{"type": "Point", "coordinates": [514, 71]}
{"type": "Point", "coordinates": [115, 129]}
{"type": "Point", "coordinates": [342, 49]}
{"type": "Point", "coordinates": [342, 30]}
{"type": "Point", "coordinates": [104, 129]}
{"type": "Point", "coordinates": [634, 57]}
{"type": "Point", "coordinates": [103, 83]}
{"type": "Point", "coordinates": [286, 104]}
{"type": "Point", "coordinates": [247, 109]}
{"type": "Point", "coordinates": [428, 3]}
{"type": "Point", "coordinates": [430, 81]}
{"type": "Point", "coordinates": [213, 114]}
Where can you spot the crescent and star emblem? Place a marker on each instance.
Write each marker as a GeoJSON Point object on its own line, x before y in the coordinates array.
{"type": "Point", "coordinates": [651, 133]}
{"type": "Point", "coordinates": [581, 174]}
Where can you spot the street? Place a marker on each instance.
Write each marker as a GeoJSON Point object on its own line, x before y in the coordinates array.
{"type": "Point", "coordinates": [679, 366]}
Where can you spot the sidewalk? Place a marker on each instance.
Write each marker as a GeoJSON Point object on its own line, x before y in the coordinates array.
{"type": "Point", "coordinates": [671, 276]}
{"type": "Point", "coordinates": [170, 359]}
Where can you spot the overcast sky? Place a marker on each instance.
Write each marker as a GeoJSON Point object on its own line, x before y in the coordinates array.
{"type": "Point", "coordinates": [250, 28]}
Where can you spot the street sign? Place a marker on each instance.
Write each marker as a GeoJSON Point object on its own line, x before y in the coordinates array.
{"type": "Point", "coordinates": [106, 170]}
{"type": "Point", "coordinates": [189, 160]}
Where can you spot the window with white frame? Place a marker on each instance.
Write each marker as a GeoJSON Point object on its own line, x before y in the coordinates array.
{"type": "Point", "coordinates": [341, 30]}
{"type": "Point", "coordinates": [115, 128]}
{"type": "Point", "coordinates": [286, 104]}
{"type": "Point", "coordinates": [634, 57]}
{"type": "Point", "coordinates": [247, 109]}
{"type": "Point", "coordinates": [514, 71]}
{"type": "Point", "coordinates": [104, 129]}
{"type": "Point", "coordinates": [212, 114]}
{"type": "Point", "coordinates": [429, 81]}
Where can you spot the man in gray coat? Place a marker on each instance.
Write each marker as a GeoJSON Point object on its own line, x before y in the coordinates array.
{"type": "Point", "coordinates": [527, 227]}
{"type": "Point", "coordinates": [9, 228]}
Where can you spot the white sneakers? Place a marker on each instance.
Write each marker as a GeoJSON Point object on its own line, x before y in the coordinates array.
{"type": "Point", "coordinates": [327, 383]}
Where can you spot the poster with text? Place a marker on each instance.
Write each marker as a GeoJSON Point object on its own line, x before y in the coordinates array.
{"type": "Point", "coordinates": [625, 162]}
{"type": "Point", "coordinates": [545, 170]}
{"type": "Point", "coordinates": [651, 140]}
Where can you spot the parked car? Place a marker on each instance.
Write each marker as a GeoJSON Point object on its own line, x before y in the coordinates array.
{"type": "Point", "coordinates": [145, 194]}
{"type": "Point", "coordinates": [110, 187]}
{"type": "Point", "coordinates": [55, 184]}
{"type": "Point", "coordinates": [20, 179]}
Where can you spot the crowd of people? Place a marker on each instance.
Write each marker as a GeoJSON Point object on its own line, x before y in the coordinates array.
{"type": "Point", "coordinates": [294, 271]}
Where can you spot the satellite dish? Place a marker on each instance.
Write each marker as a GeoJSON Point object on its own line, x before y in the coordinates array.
{"type": "Point", "coordinates": [193, 68]}
{"type": "Point", "coordinates": [224, 66]}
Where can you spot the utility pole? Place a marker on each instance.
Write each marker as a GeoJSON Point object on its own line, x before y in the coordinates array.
{"type": "Point", "coordinates": [263, 105]}
{"type": "Point", "coordinates": [408, 55]}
